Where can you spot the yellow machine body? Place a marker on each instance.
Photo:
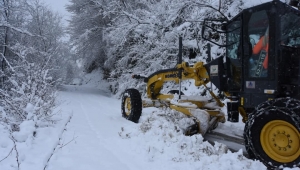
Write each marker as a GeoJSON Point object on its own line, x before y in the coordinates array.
{"type": "Point", "coordinates": [186, 105]}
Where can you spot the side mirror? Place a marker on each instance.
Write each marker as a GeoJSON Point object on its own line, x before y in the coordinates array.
{"type": "Point", "coordinates": [212, 31]}
{"type": "Point", "coordinates": [214, 36]}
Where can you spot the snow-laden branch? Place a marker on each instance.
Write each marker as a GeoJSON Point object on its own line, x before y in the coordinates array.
{"type": "Point", "coordinates": [19, 30]}
{"type": "Point", "coordinates": [7, 62]}
{"type": "Point", "coordinates": [135, 18]}
{"type": "Point", "coordinates": [201, 5]}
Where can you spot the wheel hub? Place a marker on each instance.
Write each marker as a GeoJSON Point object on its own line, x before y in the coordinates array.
{"type": "Point", "coordinates": [280, 141]}
{"type": "Point", "coordinates": [127, 106]}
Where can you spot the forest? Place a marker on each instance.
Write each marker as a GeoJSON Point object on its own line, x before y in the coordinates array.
{"type": "Point", "coordinates": [39, 53]}
{"type": "Point", "coordinates": [141, 36]}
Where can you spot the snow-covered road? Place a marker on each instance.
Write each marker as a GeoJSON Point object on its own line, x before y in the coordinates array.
{"type": "Point", "coordinates": [97, 137]}
{"type": "Point", "coordinates": [93, 131]}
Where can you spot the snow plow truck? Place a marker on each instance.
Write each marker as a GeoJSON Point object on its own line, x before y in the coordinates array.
{"type": "Point", "coordinates": [260, 75]}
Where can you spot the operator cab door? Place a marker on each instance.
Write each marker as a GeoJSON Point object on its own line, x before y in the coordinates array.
{"type": "Point", "coordinates": [258, 54]}
{"type": "Point", "coordinates": [233, 53]}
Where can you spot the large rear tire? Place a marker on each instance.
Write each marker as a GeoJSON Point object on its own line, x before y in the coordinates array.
{"type": "Point", "coordinates": [272, 133]}
{"type": "Point", "coordinates": [131, 105]}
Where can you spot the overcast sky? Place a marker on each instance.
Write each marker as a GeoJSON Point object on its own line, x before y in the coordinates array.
{"type": "Point", "coordinates": [59, 6]}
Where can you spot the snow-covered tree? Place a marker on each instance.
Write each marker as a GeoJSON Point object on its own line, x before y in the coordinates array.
{"type": "Point", "coordinates": [31, 57]}
{"type": "Point", "coordinates": [86, 30]}
{"type": "Point", "coordinates": [141, 36]}
{"type": "Point", "coordinates": [144, 39]}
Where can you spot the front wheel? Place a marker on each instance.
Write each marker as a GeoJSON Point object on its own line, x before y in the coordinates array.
{"type": "Point", "coordinates": [131, 105]}
{"type": "Point", "coordinates": [272, 133]}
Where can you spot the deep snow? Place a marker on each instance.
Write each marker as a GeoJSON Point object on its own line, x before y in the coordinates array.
{"type": "Point", "coordinates": [104, 139]}
{"type": "Point", "coordinates": [90, 134]}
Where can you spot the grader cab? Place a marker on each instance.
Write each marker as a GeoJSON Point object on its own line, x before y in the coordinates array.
{"type": "Point", "coordinates": [260, 74]}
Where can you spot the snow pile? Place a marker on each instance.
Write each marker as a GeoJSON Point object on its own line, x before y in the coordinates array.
{"type": "Point", "coordinates": [160, 136]}
{"type": "Point", "coordinates": [32, 145]}
{"type": "Point", "coordinates": [6, 149]}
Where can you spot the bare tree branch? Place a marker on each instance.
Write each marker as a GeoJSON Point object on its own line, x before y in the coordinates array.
{"type": "Point", "coordinates": [7, 155]}
{"type": "Point", "coordinates": [15, 148]}
{"type": "Point", "coordinates": [55, 148]}
{"type": "Point", "coordinates": [68, 142]}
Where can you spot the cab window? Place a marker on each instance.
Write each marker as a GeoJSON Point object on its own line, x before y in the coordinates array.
{"type": "Point", "coordinates": [290, 29]}
{"type": "Point", "coordinates": [258, 31]}
{"type": "Point", "coordinates": [233, 38]}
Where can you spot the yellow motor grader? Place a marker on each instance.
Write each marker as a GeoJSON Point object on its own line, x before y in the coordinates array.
{"type": "Point", "coordinates": [260, 74]}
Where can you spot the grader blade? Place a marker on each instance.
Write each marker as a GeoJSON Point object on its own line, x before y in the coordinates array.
{"type": "Point", "coordinates": [233, 142]}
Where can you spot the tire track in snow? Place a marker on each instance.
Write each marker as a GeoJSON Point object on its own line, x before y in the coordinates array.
{"type": "Point", "coordinates": [108, 133]}
{"type": "Point", "coordinates": [96, 124]}
{"type": "Point", "coordinates": [90, 123]}
{"type": "Point", "coordinates": [102, 142]}
{"type": "Point", "coordinates": [88, 151]}
{"type": "Point", "coordinates": [106, 106]}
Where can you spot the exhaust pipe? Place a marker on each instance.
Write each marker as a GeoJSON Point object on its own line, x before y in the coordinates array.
{"type": "Point", "coordinates": [179, 61]}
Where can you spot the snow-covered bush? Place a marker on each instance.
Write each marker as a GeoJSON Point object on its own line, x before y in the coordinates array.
{"type": "Point", "coordinates": [31, 56]}
{"type": "Point", "coordinates": [29, 92]}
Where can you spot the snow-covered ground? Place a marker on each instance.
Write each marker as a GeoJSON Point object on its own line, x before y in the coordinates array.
{"type": "Point", "coordinates": [90, 134]}
{"type": "Point", "coordinates": [102, 138]}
